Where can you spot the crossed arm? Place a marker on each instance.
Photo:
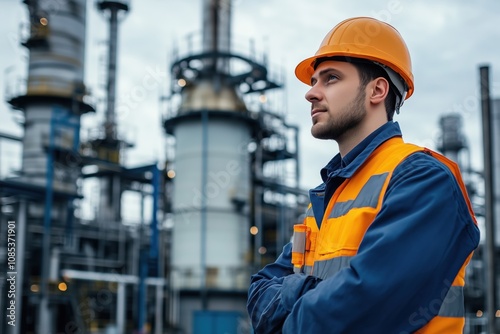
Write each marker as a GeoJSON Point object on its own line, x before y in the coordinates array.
{"type": "Point", "coordinates": [405, 264]}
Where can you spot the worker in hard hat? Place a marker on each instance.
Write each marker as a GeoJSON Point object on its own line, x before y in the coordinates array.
{"type": "Point", "coordinates": [388, 234]}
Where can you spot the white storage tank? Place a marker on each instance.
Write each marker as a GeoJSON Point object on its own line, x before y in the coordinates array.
{"type": "Point", "coordinates": [211, 191]}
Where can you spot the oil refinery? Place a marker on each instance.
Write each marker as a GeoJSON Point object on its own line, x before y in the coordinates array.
{"type": "Point", "coordinates": [218, 207]}
{"type": "Point", "coordinates": [232, 177]}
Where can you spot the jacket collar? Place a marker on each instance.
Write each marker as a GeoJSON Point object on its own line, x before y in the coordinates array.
{"type": "Point", "coordinates": [347, 166]}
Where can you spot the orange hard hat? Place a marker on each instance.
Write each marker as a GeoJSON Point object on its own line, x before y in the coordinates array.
{"type": "Point", "coordinates": [365, 38]}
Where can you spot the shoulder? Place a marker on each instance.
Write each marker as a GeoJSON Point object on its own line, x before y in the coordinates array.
{"type": "Point", "coordinates": [422, 162]}
{"type": "Point", "coordinates": [422, 182]}
{"type": "Point", "coordinates": [421, 172]}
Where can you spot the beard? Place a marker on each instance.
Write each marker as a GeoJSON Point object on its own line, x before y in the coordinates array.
{"type": "Point", "coordinates": [346, 119]}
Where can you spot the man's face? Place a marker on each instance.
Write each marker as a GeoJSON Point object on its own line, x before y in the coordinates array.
{"type": "Point", "coordinates": [337, 102]}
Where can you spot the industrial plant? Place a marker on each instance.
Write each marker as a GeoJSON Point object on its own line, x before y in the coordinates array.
{"type": "Point", "coordinates": [222, 204]}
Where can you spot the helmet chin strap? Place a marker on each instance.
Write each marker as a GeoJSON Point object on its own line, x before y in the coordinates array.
{"type": "Point", "coordinates": [398, 83]}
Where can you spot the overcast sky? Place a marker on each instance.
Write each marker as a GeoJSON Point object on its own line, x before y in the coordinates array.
{"type": "Point", "coordinates": [448, 41]}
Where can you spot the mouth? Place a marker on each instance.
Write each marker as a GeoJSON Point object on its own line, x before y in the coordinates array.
{"type": "Point", "coordinates": [316, 111]}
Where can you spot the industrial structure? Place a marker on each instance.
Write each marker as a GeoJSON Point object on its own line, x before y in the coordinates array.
{"type": "Point", "coordinates": [453, 144]}
{"type": "Point", "coordinates": [45, 190]}
{"type": "Point", "coordinates": [482, 305]}
{"type": "Point", "coordinates": [491, 175]}
{"type": "Point", "coordinates": [74, 275]}
{"type": "Point", "coordinates": [222, 204]}
{"type": "Point", "coordinates": [236, 176]}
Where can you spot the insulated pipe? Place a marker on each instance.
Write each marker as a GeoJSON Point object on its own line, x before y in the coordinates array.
{"type": "Point", "coordinates": [488, 197]}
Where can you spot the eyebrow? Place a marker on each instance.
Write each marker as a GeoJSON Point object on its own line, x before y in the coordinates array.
{"type": "Point", "coordinates": [326, 71]}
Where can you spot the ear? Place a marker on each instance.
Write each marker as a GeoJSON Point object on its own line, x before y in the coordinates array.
{"type": "Point", "coordinates": [379, 90]}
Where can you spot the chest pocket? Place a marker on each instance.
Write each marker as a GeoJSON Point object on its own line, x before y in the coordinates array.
{"type": "Point", "coordinates": [349, 216]}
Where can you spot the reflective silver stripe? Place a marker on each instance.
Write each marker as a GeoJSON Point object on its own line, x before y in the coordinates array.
{"type": "Point", "coordinates": [328, 268]}
{"type": "Point", "coordinates": [308, 270]}
{"type": "Point", "coordinates": [367, 197]}
{"type": "Point", "coordinates": [453, 303]}
{"type": "Point", "coordinates": [309, 212]}
{"type": "Point", "coordinates": [452, 306]}
{"type": "Point", "coordinates": [299, 242]}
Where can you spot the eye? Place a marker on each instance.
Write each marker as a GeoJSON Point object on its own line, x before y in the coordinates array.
{"type": "Point", "coordinates": [332, 77]}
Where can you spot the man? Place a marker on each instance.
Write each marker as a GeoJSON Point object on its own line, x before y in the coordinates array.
{"type": "Point", "coordinates": [389, 232]}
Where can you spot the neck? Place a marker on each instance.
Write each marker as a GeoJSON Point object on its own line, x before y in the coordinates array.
{"type": "Point", "coordinates": [356, 135]}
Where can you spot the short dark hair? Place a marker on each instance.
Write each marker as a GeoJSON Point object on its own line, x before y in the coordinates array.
{"type": "Point", "coordinates": [368, 71]}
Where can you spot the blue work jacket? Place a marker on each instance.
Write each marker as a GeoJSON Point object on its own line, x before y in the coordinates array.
{"type": "Point", "coordinates": [423, 216]}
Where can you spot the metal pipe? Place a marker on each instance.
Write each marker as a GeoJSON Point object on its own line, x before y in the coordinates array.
{"type": "Point", "coordinates": [95, 262]}
{"type": "Point", "coordinates": [488, 197]}
{"type": "Point", "coordinates": [158, 310]}
{"type": "Point", "coordinates": [160, 291]}
{"type": "Point", "coordinates": [257, 176]}
{"type": "Point", "coordinates": [153, 248]}
{"type": "Point", "coordinates": [44, 324]}
{"type": "Point", "coordinates": [121, 244]}
{"type": "Point", "coordinates": [176, 306]}
{"type": "Point", "coordinates": [108, 277]}
{"type": "Point", "coordinates": [120, 305]}
{"type": "Point", "coordinates": [59, 232]}
{"type": "Point", "coordinates": [20, 242]}
{"type": "Point", "coordinates": [216, 31]}
{"type": "Point", "coordinates": [297, 164]}
{"type": "Point", "coordinates": [260, 227]}
{"type": "Point", "coordinates": [54, 263]}
{"type": "Point", "coordinates": [70, 214]}
{"type": "Point", "coordinates": [4, 135]}
{"type": "Point", "coordinates": [116, 196]}
{"type": "Point", "coordinates": [154, 245]}
{"type": "Point", "coordinates": [110, 124]}
{"type": "Point", "coordinates": [143, 273]}
{"type": "Point", "coordinates": [281, 240]}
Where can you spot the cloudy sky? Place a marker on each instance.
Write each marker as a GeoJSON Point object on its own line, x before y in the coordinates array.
{"type": "Point", "coordinates": [448, 41]}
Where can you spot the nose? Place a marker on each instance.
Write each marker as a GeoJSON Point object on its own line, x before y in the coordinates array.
{"type": "Point", "coordinates": [313, 94]}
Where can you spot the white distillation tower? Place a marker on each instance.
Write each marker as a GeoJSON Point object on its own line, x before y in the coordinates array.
{"type": "Point", "coordinates": [211, 196]}
{"type": "Point", "coordinates": [212, 179]}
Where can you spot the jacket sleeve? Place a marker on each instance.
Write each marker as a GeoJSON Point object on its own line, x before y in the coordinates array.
{"type": "Point", "coordinates": [405, 263]}
{"type": "Point", "coordinates": [273, 292]}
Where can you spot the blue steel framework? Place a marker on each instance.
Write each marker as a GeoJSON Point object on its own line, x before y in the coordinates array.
{"type": "Point", "coordinates": [62, 118]}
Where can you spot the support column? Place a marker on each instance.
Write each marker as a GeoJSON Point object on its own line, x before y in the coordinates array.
{"type": "Point", "coordinates": [19, 269]}
{"type": "Point", "coordinates": [120, 308]}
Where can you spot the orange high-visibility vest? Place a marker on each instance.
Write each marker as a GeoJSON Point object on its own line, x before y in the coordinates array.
{"type": "Point", "coordinates": [323, 252]}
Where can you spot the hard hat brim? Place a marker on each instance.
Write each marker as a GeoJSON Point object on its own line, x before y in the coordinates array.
{"type": "Point", "coordinates": [305, 69]}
